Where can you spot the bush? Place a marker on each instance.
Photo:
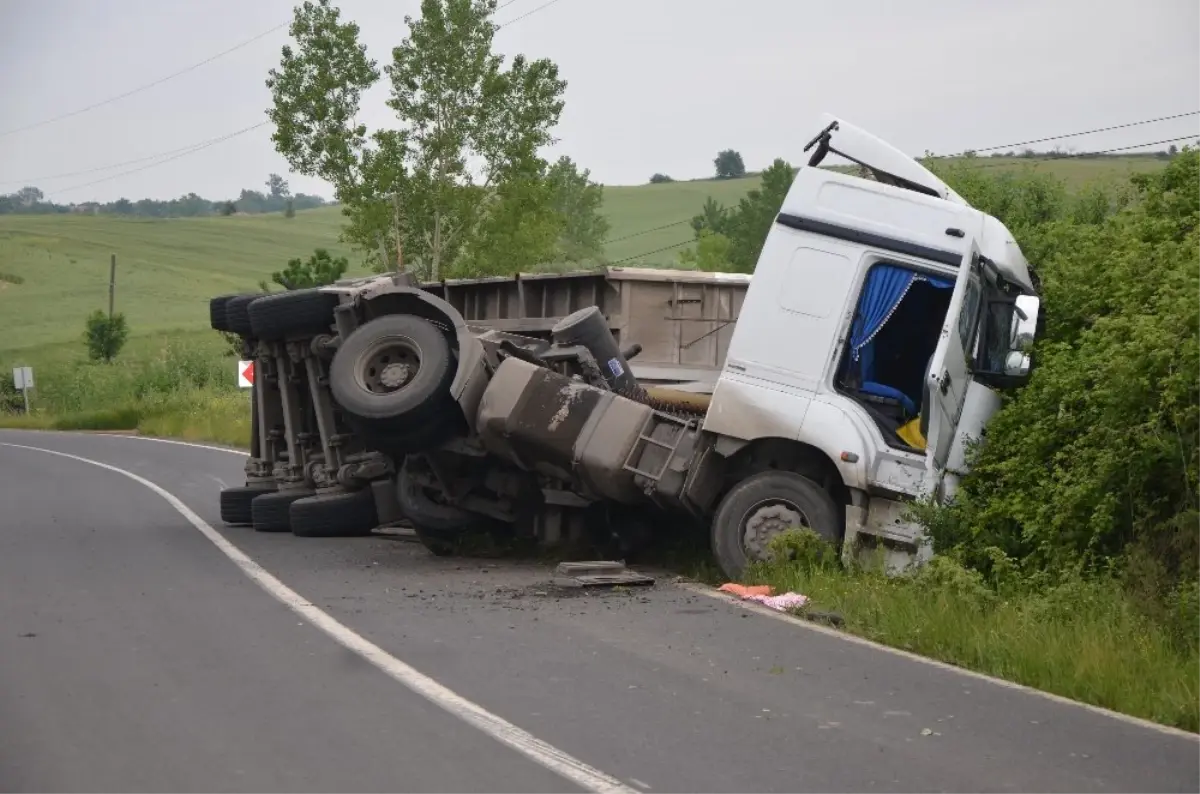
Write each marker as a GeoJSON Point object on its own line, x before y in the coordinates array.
{"type": "Point", "coordinates": [105, 336]}
{"type": "Point", "coordinates": [1095, 465]}
{"type": "Point", "coordinates": [659, 179]}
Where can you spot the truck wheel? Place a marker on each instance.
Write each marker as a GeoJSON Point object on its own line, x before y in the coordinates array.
{"type": "Point", "coordinates": [237, 314]}
{"type": "Point", "coordinates": [235, 504]}
{"type": "Point", "coordinates": [270, 512]}
{"type": "Point", "coordinates": [346, 514]}
{"type": "Point", "coordinates": [216, 312]}
{"type": "Point", "coordinates": [421, 510]}
{"type": "Point", "coordinates": [304, 312]}
{"type": "Point", "coordinates": [393, 373]}
{"type": "Point", "coordinates": [762, 506]}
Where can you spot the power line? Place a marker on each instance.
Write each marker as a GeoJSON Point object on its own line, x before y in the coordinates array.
{"type": "Point", "coordinates": [1077, 134]}
{"type": "Point", "coordinates": [655, 251]}
{"type": "Point", "coordinates": [193, 150]}
{"type": "Point", "coordinates": [139, 89]}
{"type": "Point", "coordinates": [648, 231]}
{"type": "Point", "coordinates": [110, 166]}
{"type": "Point", "coordinates": [526, 14]}
{"type": "Point", "coordinates": [1009, 161]}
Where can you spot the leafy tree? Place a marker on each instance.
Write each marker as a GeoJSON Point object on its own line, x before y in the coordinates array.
{"type": "Point", "coordinates": [319, 269]}
{"type": "Point", "coordinates": [658, 179]}
{"type": "Point", "coordinates": [277, 187]}
{"type": "Point", "coordinates": [409, 193]}
{"type": "Point", "coordinates": [711, 254]}
{"type": "Point", "coordinates": [729, 164]}
{"type": "Point", "coordinates": [228, 208]}
{"type": "Point", "coordinates": [578, 201]}
{"type": "Point", "coordinates": [746, 225]}
{"type": "Point", "coordinates": [520, 229]}
{"type": "Point", "coordinates": [28, 196]}
{"type": "Point", "coordinates": [105, 335]}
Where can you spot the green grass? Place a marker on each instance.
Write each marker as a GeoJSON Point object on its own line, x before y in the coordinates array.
{"type": "Point", "coordinates": [1088, 640]}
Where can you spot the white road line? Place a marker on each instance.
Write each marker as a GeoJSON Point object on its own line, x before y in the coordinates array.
{"type": "Point", "coordinates": [808, 625]}
{"type": "Point", "coordinates": [498, 728]}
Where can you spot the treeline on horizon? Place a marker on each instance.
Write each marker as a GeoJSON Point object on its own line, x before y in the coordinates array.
{"type": "Point", "coordinates": [276, 198]}
{"type": "Point", "coordinates": [30, 200]}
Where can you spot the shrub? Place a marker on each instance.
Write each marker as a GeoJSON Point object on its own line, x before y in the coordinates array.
{"type": "Point", "coordinates": [105, 335]}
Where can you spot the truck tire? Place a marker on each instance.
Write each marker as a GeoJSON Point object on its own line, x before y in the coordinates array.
{"type": "Point", "coordinates": [216, 312]}
{"type": "Point", "coordinates": [270, 512]}
{"type": "Point", "coordinates": [304, 312]}
{"type": "Point", "coordinates": [393, 374]}
{"type": "Point", "coordinates": [345, 514]}
{"type": "Point", "coordinates": [419, 509]}
{"type": "Point", "coordinates": [763, 505]}
{"type": "Point", "coordinates": [235, 504]}
{"type": "Point", "coordinates": [237, 314]}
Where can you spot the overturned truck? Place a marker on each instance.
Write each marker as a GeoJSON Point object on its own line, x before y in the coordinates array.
{"type": "Point", "coordinates": [840, 383]}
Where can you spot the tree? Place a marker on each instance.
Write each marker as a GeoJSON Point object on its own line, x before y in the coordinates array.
{"type": "Point", "coordinates": [658, 179]}
{"type": "Point", "coordinates": [729, 164]}
{"type": "Point", "coordinates": [228, 208]}
{"type": "Point", "coordinates": [1172, 150]}
{"type": "Point", "coordinates": [318, 270]}
{"type": "Point", "coordinates": [711, 254]}
{"type": "Point", "coordinates": [105, 335]}
{"type": "Point", "coordinates": [28, 196]}
{"type": "Point", "coordinates": [411, 193]}
{"type": "Point", "coordinates": [289, 211]}
{"type": "Point", "coordinates": [747, 224]}
{"type": "Point", "coordinates": [277, 187]}
{"type": "Point", "coordinates": [578, 201]}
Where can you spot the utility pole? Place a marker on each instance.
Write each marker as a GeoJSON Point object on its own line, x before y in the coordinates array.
{"type": "Point", "coordinates": [112, 284]}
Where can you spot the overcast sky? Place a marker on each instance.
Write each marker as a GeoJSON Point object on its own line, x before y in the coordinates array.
{"type": "Point", "coordinates": [653, 85]}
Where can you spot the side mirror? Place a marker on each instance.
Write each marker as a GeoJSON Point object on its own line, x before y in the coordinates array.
{"type": "Point", "coordinates": [1017, 364]}
{"type": "Point", "coordinates": [1024, 323]}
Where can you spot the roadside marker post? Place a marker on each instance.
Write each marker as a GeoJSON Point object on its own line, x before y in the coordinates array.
{"type": "Point", "coordinates": [245, 374]}
{"type": "Point", "coordinates": [23, 380]}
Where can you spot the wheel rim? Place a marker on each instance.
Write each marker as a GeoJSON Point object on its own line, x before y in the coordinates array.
{"type": "Point", "coordinates": [387, 366]}
{"type": "Point", "coordinates": [766, 520]}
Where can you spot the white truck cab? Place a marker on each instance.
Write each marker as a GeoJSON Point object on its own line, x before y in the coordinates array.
{"type": "Point", "coordinates": [878, 332]}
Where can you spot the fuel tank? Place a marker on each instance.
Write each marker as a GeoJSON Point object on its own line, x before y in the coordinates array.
{"type": "Point", "coordinates": [563, 428]}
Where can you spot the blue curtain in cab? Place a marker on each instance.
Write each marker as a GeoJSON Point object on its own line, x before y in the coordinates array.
{"type": "Point", "coordinates": [885, 288]}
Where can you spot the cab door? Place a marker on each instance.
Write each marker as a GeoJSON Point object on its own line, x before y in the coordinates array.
{"type": "Point", "coordinates": [949, 373]}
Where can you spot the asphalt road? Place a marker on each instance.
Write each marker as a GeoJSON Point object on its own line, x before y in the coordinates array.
{"type": "Point", "coordinates": [135, 654]}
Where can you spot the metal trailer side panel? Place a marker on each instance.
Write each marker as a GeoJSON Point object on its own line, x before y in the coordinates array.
{"type": "Point", "coordinates": [683, 320]}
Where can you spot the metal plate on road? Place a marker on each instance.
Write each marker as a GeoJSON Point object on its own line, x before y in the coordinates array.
{"type": "Point", "coordinates": [599, 573]}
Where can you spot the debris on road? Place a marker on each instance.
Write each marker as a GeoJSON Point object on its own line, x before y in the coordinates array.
{"type": "Point", "coordinates": [598, 574]}
{"type": "Point", "coordinates": [762, 594]}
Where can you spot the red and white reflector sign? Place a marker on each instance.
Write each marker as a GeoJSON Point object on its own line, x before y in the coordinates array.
{"type": "Point", "coordinates": [245, 374]}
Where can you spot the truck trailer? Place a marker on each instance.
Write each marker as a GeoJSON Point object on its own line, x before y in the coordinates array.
{"type": "Point", "coordinates": [842, 381]}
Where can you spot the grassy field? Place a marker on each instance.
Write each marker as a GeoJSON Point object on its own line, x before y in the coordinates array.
{"type": "Point", "coordinates": [54, 268]}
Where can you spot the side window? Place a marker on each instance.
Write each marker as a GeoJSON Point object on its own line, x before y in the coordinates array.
{"type": "Point", "coordinates": [969, 316]}
{"type": "Point", "coordinates": [994, 340]}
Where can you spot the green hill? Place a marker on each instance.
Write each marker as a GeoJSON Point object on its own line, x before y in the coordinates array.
{"type": "Point", "coordinates": [54, 268]}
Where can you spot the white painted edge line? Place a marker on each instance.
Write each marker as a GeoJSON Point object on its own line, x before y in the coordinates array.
{"type": "Point", "coordinates": [808, 625]}
{"type": "Point", "coordinates": [497, 727]}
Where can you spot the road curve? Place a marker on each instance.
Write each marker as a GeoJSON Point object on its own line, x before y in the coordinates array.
{"type": "Point", "coordinates": [136, 655]}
